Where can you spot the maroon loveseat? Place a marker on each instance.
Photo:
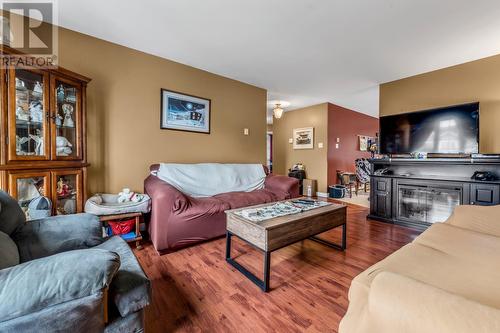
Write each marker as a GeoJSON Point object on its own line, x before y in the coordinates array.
{"type": "Point", "coordinates": [178, 220]}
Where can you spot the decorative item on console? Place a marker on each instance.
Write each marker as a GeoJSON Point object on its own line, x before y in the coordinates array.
{"type": "Point", "coordinates": [419, 155]}
{"type": "Point", "coordinates": [36, 111]}
{"type": "Point", "coordinates": [63, 146]}
{"type": "Point", "coordinates": [128, 196]}
{"type": "Point", "coordinates": [68, 111]}
{"type": "Point", "coordinates": [484, 176]}
{"type": "Point", "coordinates": [373, 149]}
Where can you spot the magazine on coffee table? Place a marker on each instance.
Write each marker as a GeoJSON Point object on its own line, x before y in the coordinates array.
{"type": "Point", "coordinates": [283, 208]}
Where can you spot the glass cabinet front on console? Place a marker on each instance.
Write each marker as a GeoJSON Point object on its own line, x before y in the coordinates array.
{"type": "Point", "coordinates": [426, 204]}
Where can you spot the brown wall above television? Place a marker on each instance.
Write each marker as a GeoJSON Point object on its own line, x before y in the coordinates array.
{"type": "Point", "coordinates": [476, 81]}
{"type": "Point", "coordinates": [124, 135]}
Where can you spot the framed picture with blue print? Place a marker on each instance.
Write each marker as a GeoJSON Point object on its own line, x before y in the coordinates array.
{"type": "Point", "coordinates": [183, 112]}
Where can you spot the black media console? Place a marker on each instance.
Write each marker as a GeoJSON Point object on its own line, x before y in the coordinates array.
{"type": "Point", "coordinates": [416, 193]}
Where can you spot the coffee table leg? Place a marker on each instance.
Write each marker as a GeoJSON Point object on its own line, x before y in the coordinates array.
{"type": "Point", "coordinates": [228, 245]}
{"type": "Point", "coordinates": [267, 270]}
{"type": "Point", "coordinates": [263, 284]}
{"type": "Point", "coordinates": [344, 236]}
{"type": "Point", "coordinates": [336, 246]}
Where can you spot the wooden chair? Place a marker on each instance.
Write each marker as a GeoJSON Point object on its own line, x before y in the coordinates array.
{"type": "Point", "coordinates": [349, 180]}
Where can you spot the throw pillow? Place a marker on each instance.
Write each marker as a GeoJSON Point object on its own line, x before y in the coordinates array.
{"type": "Point", "coordinates": [9, 254]}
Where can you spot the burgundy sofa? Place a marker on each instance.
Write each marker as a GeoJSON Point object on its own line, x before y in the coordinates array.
{"type": "Point", "coordinates": [178, 220]}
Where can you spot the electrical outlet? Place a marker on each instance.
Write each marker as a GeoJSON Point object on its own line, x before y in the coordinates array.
{"type": "Point", "coordinates": [336, 146]}
{"type": "Point", "coordinates": [245, 131]}
{"type": "Point", "coordinates": [290, 140]}
{"type": "Point", "coordinates": [320, 145]}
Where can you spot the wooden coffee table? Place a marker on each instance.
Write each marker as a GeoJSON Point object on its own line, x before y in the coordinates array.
{"type": "Point", "coordinates": [278, 232]}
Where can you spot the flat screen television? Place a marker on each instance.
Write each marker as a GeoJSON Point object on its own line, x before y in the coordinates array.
{"type": "Point", "coordinates": [449, 130]}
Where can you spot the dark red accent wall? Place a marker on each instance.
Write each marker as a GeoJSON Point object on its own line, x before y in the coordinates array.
{"type": "Point", "coordinates": [347, 125]}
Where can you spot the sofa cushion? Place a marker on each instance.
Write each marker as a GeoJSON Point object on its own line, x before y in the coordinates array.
{"type": "Point", "coordinates": [9, 254]}
{"type": "Point", "coordinates": [243, 199]}
{"type": "Point", "coordinates": [462, 275]}
{"type": "Point", "coordinates": [130, 288]}
{"type": "Point", "coordinates": [11, 215]}
{"type": "Point", "coordinates": [38, 284]}
{"type": "Point", "coordinates": [459, 242]}
{"type": "Point", "coordinates": [477, 218]}
{"type": "Point", "coordinates": [398, 304]}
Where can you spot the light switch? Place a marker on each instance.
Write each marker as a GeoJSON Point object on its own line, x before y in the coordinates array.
{"type": "Point", "coordinates": [245, 131]}
{"type": "Point", "coordinates": [338, 140]}
{"type": "Point", "coordinates": [320, 144]}
{"type": "Point", "coordinates": [336, 146]}
{"type": "Point", "coordinates": [290, 140]}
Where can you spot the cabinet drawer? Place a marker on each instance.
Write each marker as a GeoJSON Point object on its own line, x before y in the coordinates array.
{"type": "Point", "coordinates": [484, 194]}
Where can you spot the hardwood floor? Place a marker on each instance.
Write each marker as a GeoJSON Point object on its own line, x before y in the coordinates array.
{"type": "Point", "coordinates": [195, 289]}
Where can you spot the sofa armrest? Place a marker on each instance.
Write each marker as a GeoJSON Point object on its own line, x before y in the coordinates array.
{"type": "Point", "coordinates": [165, 194]}
{"type": "Point", "coordinates": [41, 283]}
{"type": "Point", "coordinates": [398, 303]}
{"type": "Point", "coordinates": [283, 184]}
{"type": "Point", "coordinates": [48, 236]}
{"type": "Point", "coordinates": [482, 219]}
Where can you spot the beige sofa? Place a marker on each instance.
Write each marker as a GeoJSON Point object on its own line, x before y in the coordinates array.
{"type": "Point", "coordinates": [447, 280]}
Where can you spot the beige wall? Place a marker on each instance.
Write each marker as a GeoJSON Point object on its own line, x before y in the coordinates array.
{"type": "Point", "coordinates": [474, 81]}
{"type": "Point", "coordinates": [315, 160]}
{"type": "Point", "coordinates": [124, 135]}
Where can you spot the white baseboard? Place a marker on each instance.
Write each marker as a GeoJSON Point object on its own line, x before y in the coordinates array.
{"type": "Point", "coordinates": [322, 194]}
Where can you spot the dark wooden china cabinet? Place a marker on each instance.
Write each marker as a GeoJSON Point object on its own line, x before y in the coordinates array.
{"type": "Point", "coordinates": [43, 136]}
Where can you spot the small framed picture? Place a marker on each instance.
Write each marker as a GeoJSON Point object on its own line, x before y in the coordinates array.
{"type": "Point", "coordinates": [303, 138]}
{"type": "Point", "coordinates": [184, 112]}
{"type": "Point", "coordinates": [363, 142]}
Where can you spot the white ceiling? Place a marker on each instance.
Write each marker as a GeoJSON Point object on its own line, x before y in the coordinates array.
{"type": "Point", "coordinates": [302, 51]}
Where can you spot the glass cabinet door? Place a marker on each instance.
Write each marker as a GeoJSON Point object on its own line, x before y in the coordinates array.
{"type": "Point", "coordinates": [67, 191]}
{"type": "Point", "coordinates": [66, 115]}
{"type": "Point", "coordinates": [28, 107]}
{"type": "Point", "coordinates": [26, 187]}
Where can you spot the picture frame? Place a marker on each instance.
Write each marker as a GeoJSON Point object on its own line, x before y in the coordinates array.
{"type": "Point", "coordinates": [183, 112]}
{"type": "Point", "coordinates": [365, 142]}
{"type": "Point", "coordinates": [303, 138]}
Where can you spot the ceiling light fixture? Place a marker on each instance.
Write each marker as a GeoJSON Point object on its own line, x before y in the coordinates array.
{"type": "Point", "coordinates": [278, 111]}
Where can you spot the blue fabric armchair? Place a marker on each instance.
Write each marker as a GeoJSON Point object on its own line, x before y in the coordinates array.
{"type": "Point", "coordinates": [58, 274]}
